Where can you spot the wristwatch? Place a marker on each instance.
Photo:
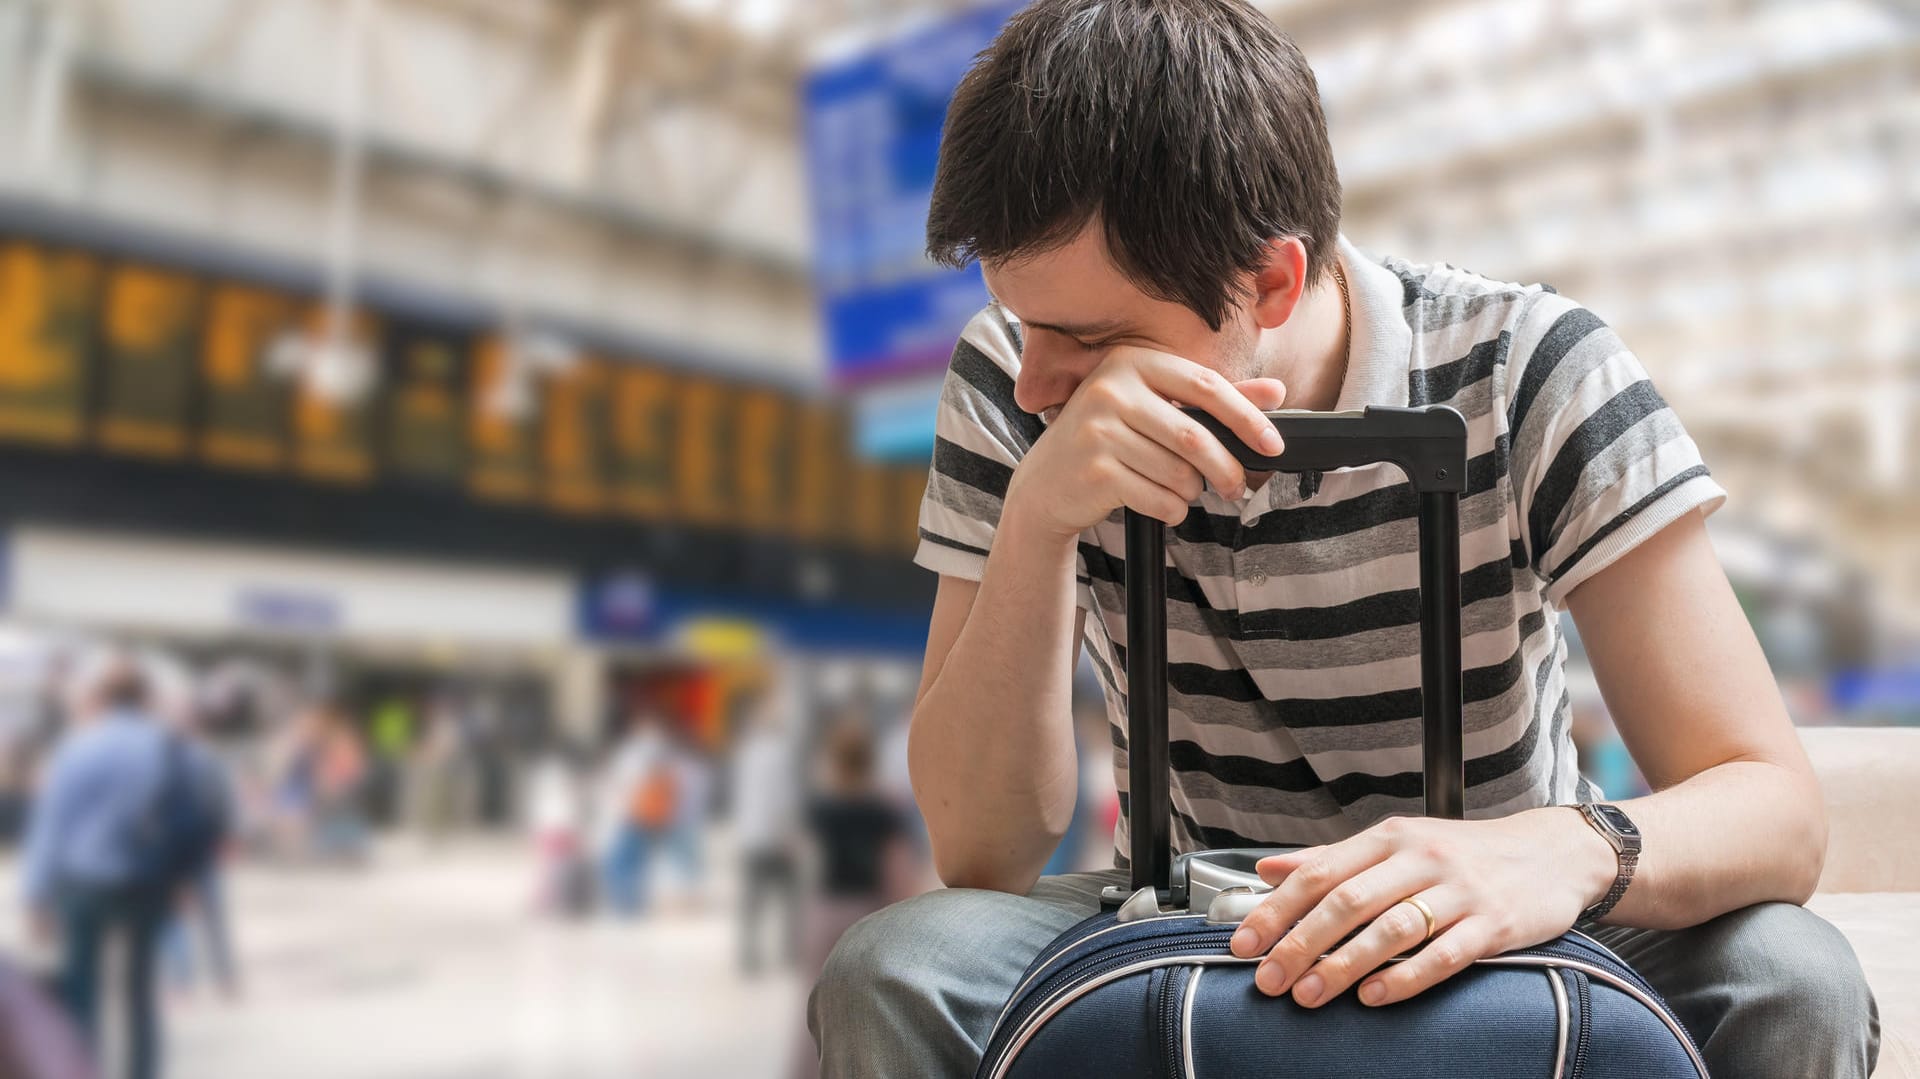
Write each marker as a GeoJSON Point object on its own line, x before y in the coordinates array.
{"type": "Point", "coordinates": [1618, 829]}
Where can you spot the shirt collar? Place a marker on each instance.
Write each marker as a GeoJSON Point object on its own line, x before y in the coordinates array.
{"type": "Point", "coordinates": [1379, 355]}
{"type": "Point", "coordinates": [1381, 344]}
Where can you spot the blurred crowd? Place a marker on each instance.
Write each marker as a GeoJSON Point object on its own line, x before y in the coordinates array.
{"type": "Point", "coordinates": [132, 782]}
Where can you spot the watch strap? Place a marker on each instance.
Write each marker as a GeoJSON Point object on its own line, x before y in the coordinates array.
{"type": "Point", "coordinates": [1627, 859]}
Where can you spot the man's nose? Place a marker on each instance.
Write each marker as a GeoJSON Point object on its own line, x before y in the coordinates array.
{"type": "Point", "coordinates": [1044, 381]}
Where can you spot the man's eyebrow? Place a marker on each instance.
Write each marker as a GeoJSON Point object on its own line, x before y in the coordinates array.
{"type": "Point", "coordinates": [1101, 328]}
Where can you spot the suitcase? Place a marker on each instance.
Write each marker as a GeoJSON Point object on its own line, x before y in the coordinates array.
{"type": "Point", "coordinates": [1148, 987]}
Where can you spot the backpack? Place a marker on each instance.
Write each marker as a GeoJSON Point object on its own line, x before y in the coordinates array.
{"type": "Point", "coordinates": [180, 832]}
{"type": "Point", "coordinates": [655, 798]}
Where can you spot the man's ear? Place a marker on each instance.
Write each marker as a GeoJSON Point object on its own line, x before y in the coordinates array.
{"type": "Point", "coordinates": [1280, 283]}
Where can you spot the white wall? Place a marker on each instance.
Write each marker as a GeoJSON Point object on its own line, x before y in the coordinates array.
{"type": "Point", "coordinates": [103, 581]}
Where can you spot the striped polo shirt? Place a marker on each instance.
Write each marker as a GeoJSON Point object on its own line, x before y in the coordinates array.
{"type": "Point", "coordinates": [1293, 620]}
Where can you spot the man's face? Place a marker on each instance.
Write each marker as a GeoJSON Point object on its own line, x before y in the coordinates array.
{"type": "Point", "coordinates": [1074, 307]}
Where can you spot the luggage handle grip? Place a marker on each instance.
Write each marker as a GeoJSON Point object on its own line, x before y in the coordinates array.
{"type": "Point", "coordinates": [1430, 445]}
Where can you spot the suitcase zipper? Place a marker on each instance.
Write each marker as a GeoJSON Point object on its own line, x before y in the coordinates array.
{"type": "Point", "coordinates": [1583, 989]}
{"type": "Point", "coordinates": [1170, 1022]}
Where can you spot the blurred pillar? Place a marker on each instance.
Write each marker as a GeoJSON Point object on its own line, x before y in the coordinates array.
{"type": "Point", "coordinates": [51, 38]}
{"type": "Point", "coordinates": [580, 692]}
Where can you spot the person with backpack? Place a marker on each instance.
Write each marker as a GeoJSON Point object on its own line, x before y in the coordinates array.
{"type": "Point", "coordinates": [642, 798]}
{"type": "Point", "coordinates": [124, 821]}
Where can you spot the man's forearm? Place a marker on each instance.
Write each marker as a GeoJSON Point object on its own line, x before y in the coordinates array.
{"type": "Point", "coordinates": [991, 748]}
{"type": "Point", "coordinates": [1740, 833]}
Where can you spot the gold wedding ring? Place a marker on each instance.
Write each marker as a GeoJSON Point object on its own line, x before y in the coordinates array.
{"type": "Point", "coordinates": [1425, 912]}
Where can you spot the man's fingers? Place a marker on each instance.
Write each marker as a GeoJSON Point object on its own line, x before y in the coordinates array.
{"type": "Point", "coordinates": [1159, 464]}
{"type": "Point", "coordinates": [1443, 957]}
{"type": "Point", "coordinates": [1143, 495]}
{"type": "Point", "coordinates": [1202, 387]}
{"type": "Point", "coordinates": [1182, 434]}
{"type": "Point", "coordinates": [1350, 905]}
{"type": "Point", "coordinates": [1303, 888]}
{"type": "Point", "coordinates": [1401, 927]}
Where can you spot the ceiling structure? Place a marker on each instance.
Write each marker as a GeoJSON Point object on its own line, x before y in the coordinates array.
{"type": "Point", "coordinates": [1734, 184]}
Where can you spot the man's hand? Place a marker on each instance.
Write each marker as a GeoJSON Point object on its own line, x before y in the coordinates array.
{"type": "Point", "coordinates": [1121, 440]}
{"type": "Point", "coordinates": [1493, 886]}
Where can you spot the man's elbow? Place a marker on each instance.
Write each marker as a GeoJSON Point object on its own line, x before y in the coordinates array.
{"type": "Point", "coordinates": [1807, 850]}
{"type": "Point", "coordinates": [985, 876]}
{"type": "Point", "coordinates": [965, 866]}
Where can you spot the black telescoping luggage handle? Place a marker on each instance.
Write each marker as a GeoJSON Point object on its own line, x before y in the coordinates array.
{"type": "Point", "coordinates": [1430, 446]}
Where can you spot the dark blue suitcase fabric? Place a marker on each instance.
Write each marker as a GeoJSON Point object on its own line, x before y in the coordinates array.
{"type": "Point", "coordinates": [1163, 998]}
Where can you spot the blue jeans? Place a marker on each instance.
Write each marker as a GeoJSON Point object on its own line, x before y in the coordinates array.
{"type": "Point", "coordinates": [177, 943]}
{"type": "Point", "coordinates": [90, 918]}
{"type": "Point", "coordinates": [1768, 992]}
{"type": "Point", "coordinates": [628, 866]}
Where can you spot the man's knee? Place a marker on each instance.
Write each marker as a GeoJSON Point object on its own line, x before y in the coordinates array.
{"type": "Point", "coordinates": [898, 967]}
{"type": "Point", "coordinates": [1793, 953]}
{"type": "Point", "coordinates": [1789, 973]}
{"type": "Point", "coordinates": [863, 957]}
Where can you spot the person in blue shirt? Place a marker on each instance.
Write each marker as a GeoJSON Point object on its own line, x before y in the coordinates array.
{"type": "Point", "coordinates": [90, 864]}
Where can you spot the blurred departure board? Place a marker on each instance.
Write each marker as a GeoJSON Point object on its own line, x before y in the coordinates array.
{"type": "Point", "coordinates": [574, 439]}
{"type": "Point", "coordinates": [643, 441]}
{"type": "Point", "coordinates": [147, 354]}
{"type": "Point", "coordinates": [46, 321]}
{"type": "Point", "coordinates": [819, 480]}
{"type": "Point", "coordinates": [704, 448]}
{"type": "Point", "coordinates": [144, 357]}
{"type": "Point", "coordinates": [503, 411]}
{"type": "Point", "coordinates": [869, 523]}
{"type": "Point", "coordinates": [243, 400]}
{"type": "Point", "coordinates": [333, 415]}
{"type": "Point", "coordinates": [762, 464]}
{"type": "Point", "coordinates": [426, 406]}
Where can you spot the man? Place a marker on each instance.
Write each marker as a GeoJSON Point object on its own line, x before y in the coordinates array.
{"type": "Point", "coordinates": [128, 815]}
{"type": "Point", "coordinates": [1149, 189]}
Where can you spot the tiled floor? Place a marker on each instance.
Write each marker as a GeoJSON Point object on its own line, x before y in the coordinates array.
{"type": "Point", "coordinates": [431, 967]}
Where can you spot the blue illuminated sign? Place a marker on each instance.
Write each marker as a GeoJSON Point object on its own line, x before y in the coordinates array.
{"type": "Point", "coordinates": [872, 129]}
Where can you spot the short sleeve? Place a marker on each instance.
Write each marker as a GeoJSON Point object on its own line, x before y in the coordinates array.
{"type": "Point", "coordinates": [980, 436]}
{"type": "Point", "coordinates": [1600, 462]}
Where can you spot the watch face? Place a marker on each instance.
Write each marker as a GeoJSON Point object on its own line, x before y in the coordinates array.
{"type": "Point", "coordinates": [1616, 820]}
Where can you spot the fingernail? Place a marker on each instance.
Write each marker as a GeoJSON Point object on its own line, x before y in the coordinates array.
{"type": "Point", "coordinates": [1271, 979]}
{"type": "Point", "coordinates": [1270, 442]}
{"type": "Point", "coordinates": [1309, 989]}
{"type": "Point", "coordinates": [1245, 942]}
{"type": "Point", "coordinates": [1372, 993]}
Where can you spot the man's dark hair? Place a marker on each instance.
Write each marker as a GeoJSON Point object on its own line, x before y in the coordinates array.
{"type": "Point", "coordinates": [1191, 128]}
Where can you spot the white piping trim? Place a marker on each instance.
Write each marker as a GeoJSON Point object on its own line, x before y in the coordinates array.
{"type": "Point", "coordinates": [1560, 1013]}
{"type": "Point", "coordinates": [1614, 980]}
{"type": "Point", "coordinates": [1186, 1022]}
{"type": "Point", "coordinates": [1022, 987]}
